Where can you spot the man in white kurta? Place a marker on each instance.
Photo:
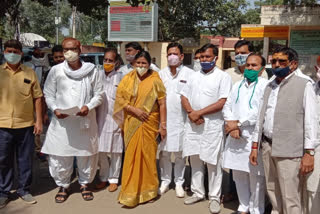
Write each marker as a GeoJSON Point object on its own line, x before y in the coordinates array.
{"type": "Point", "coordinates": [312, 199]}
{"type": "Point", "coordinates": [240, 114]}
{"type": "Point", "coordinates": [203, 100]}
{"type": "Point", "coordinates": [174, 78]}
{"type": "Point", "coordinates": [110, 138]}
{"type": "Point", "coordinates": [73, 134]}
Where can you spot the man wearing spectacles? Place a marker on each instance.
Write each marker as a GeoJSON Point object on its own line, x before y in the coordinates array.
{"type": "Point", "coordinates": [286, 131]}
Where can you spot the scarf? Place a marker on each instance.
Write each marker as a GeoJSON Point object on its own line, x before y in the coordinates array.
{"type": "Point", "coordinates": [85, 91]}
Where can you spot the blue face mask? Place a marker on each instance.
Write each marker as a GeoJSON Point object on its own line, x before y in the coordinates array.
{"type": "Point", "coordinates": [208, 65]}
{"type": "Point", "coordinates": [12, 58]}
{"type": "Point", "coordinates": [281, 72]}
{"type": "Point", "coordinates": [241, 59]}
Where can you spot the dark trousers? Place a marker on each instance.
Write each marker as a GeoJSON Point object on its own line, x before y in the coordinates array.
{"type": "Point", "coordinates": [19, 142]}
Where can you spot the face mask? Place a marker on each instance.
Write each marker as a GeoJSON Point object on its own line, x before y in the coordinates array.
{"type": "Point", "coordinates": [251, 75]}
{"type": "Point", "coordinates": [39, 61]}
{"type": "Point", "coordinates": [130, 58]}
{"type": "Point", "coordinates": [108, 67]}
{"type": "Point", "coordinates": [71, 56]}
{"type": "Point", "coordinates": [196, 65]}
{"type": "Point", "coordinates": [12, 58]}
{"type": "Point", "coordinates": [141, 71]}
{"type": "Point", "coordinates": [241, 59]}
{"type": "Point", "coordinates": [208, 65]}
{"type": "Point", "coordinates": [173, 60]}
{"type": "Point", "coordinates": [281, 72]}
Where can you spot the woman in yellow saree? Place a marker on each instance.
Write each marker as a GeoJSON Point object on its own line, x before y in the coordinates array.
{"type": "Point", "coordinates": [140, 111]}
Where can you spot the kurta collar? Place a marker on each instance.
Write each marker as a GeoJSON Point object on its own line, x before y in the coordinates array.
{"type": "Point", "coordinates": [179, 68]}
{"type": "Point", "coordinates": [274, 83]}
{"type": "Point", "coordinates": [211, 71]}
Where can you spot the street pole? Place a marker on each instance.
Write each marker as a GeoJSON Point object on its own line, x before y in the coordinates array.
{"type": "Point", "coordinates": [57, 19]}
{"type": "Point", "coordinates": [74, 10]}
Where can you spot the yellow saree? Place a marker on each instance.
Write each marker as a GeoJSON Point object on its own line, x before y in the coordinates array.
{"type": "Point", "coordinates": [139, 176]}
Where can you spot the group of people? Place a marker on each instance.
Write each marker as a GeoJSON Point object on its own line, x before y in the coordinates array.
{"type": "Point", "coordinates": [264, 131]}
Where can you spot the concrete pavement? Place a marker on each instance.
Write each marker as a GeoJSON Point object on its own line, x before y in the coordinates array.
{"type": "Point", "coordinates": [44, 190]}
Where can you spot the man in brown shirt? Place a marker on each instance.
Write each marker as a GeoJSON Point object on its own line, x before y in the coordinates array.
{"type": "Point", "coordinates": [20, 101]}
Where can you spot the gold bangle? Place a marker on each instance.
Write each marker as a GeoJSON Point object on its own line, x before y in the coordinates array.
{"type": "Point", "coordinates": [164, 122]}
{"type": "Point", "coordinates": [127, 108]}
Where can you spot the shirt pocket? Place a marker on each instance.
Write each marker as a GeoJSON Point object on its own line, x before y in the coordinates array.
{"type": "Point", "coordinates": [25, 89]}
{"type": "Point", "coordinates": [181, 84]}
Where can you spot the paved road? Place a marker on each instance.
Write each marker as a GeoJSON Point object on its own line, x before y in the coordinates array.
{"type": "Point", "coordinates": [44, 189]}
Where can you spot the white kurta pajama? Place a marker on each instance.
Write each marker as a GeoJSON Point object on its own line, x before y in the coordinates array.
{"type": "Point", "coordinates": [73, 136]}
{"type": "Point", "coordinates": [110, 138]}
{"type": "Point", "coordinates": [237, 151]}
{"type": "Point", "coordinates": [176, 117]}
{"type": "Point", "coordinates": [204, 143]}
{"type": "Point", "coordinates": [313, 178]}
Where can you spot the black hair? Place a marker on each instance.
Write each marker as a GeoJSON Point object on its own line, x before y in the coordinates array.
{"type": "Point", "coordinates": [197, 51]}
{"type": "Point", "coordinates": [144, 54]}
{"type": "Point", "coordinates": [12, 43]}
{"type": "Point", "coordinates": [111, 49]}
{"type": "Point", "coordinates": [173, 45]}
{"type": "Point", "coordinates": [241, 43]}
{"type": "Point", "coordinates": [263, 60]}
{"type": "Point", "coordinates": [57, 48]}
{"type": "Point", "coordinates": [134, 45]}
{"type": "Point", "coordinates": [209, 45]}
{"type": "Point", "coordinates": [291, 53]}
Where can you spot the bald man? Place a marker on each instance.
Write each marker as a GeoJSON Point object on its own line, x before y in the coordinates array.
{"type": "Point", "coordinates": [72, 91]}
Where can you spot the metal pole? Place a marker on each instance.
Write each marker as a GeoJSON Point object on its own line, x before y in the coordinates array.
{"type": "Point", "coordinates": [57, 22]}
{"type": "Point", "coordinates": [74, 10]}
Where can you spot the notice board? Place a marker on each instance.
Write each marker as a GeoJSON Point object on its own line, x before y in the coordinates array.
{"type": "Point", "coordinates": [305, 42]}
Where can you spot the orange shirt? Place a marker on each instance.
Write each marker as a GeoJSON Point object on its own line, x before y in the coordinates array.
{"type": "Point", "coordinates": [18, 89]}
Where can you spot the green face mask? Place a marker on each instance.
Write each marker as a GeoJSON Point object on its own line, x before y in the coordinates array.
{"type": "Point", "coordinates": [251, 75]}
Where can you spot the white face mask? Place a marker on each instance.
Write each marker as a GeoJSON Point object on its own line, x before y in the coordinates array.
{"type": "Point", "coordinates": [196, 65]}
{"type": "Point", "coordinates": [39, 61]}
{"type": "Point", "coordinates": [141, 71]}
{"type": "Point", "coordinates": [71, 56]}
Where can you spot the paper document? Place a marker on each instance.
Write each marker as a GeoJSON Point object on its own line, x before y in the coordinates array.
{"type": "Point", "coordinates": [70, 111]}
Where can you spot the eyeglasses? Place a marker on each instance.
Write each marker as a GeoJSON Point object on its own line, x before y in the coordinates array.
{"type": "Point", "coordinates": [281, 61]}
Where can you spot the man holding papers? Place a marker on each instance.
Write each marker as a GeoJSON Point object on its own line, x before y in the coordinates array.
{"type": "Point", "coordinates": [70, 85]}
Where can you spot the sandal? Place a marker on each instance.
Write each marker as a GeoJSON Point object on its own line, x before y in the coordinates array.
{"type": "Point", "coordinates": [60, 197]}
{"type": "Point", "coordinates": [87, 195]}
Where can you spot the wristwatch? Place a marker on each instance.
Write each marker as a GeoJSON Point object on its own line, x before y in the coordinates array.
{"type": "Point", "coordinates": [239, 124]}
{"type": "Point", "coordinates": [310, 152]}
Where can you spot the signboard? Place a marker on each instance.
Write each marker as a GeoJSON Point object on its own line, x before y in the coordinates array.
{"type": "Point", "coordinates": [127, 23]}
{"type": "Point", "coordinates": [305, 42]}
{"type": "Point", "coordinates": [265, 31]}
{"type": "Point", "coordinates": [252, 32]}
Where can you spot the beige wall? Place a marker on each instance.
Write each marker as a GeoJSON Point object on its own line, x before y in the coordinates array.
{"type": "Point", "coordinates": [285, 15]}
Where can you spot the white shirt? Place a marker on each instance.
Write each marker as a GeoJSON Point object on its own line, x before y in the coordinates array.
{"type": "Point", "coordinates": [237, 151]}
{"type": "Point", "coordinates": [65, 137]}
{"type": "Point", "coordinates": [236, 74]}
{"type": "Point", "coordinates": [310, 114]}
{"type": "Point", "coordinates": [110, 138]}
{"type": "Point", "coordinates": [176, 116]}
{"type": "Point", "coordinates": [125, 69]}
{"type": "Point", "coordinates": [203, 90]}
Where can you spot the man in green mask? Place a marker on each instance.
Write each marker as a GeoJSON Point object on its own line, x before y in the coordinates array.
{"type": "Point", "coordinates": [240, 114]}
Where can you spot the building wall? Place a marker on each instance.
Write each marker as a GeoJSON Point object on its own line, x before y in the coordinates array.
{"type": "Point", "coordinates": [285, 15]}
